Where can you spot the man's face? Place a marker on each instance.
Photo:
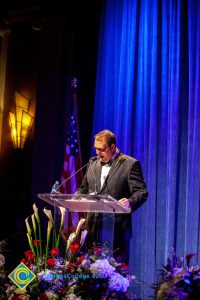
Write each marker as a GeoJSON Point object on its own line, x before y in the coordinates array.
{"type": "Point", "coordinates": [103, 150]}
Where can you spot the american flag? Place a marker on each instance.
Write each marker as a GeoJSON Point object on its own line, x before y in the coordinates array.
{"type": "Point", "coordinates": [72, 163]}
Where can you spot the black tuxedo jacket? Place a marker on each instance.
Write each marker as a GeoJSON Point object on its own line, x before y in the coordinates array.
{"type": "Point", "coordinates": [125, 180]}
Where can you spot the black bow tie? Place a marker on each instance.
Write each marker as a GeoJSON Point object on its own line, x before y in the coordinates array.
{"type": "Point", "coordinates": [109, 163]}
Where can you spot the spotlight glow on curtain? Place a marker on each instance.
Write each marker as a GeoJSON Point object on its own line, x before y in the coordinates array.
{"type": "Point", "coordinates": [148, 93]}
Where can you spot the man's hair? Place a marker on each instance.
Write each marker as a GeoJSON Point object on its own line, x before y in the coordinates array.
{"type": "Point", "coordinates": [107, 135]}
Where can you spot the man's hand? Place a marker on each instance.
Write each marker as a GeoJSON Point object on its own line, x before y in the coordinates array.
{"type": "Point", "coordinates": [125, 202]}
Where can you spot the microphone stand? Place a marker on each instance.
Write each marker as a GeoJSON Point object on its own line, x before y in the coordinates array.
{"type": "Point", "coordinates": [95, 180]}
{"type": "Point", "coordinates": [68, 178]}
{"type": "Point", "coordinates": [96, 194]}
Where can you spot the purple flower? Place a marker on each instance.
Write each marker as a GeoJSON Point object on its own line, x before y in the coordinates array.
{"type": "Point", "coordinates": [118, 283]}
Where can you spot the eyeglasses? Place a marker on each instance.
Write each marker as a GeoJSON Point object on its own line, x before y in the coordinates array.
{"type": "Point", "coordinates": [101, 149]}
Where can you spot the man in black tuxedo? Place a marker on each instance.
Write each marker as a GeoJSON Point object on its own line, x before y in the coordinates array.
{"type": "Point", "coordinates": [120, 176]}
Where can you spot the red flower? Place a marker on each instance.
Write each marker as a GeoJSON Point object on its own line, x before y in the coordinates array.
{"type": "Point", "coordinates": [43, 296]}
{"type": "Point", "coordinates": [55, 251]}
{"type": "Point", "coordinates": [63, 291]}
{"type": "Point", "coordinates": [36, 243]}
{"type": "Point", "coordinates": [124, 266]}
{"type": "Point", "coordinates": [97, 250]}
{"type": "Point", "coordinates": [74, 248]}
{"type": "Point", "coordinates": [80, 259]}
{"type": "Point", "coordinates": [29, 255]}
{"type": "Point", "coordinates": [71, 267]}
{"type": "Point", "coordinates": [16, 296]}
{"type": "Point", "coordinates": [26, 262]}
{"type": "Point", "coordinates": [51, 262]}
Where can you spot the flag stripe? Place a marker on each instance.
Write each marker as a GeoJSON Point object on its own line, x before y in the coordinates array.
{"type": "Point", "coordinates": [72, 163]}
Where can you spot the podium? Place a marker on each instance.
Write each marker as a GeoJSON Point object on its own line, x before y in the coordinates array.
{"type": "Point", "coordinates": [104, 206]}
{"type": "Point", "coordinates": [85, 203]}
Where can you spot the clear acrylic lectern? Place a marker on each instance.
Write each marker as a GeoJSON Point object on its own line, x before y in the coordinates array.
{"type": "Point", "coordinates": [103, 204]}
{"type": "Point", "coordinates": [85, 203]}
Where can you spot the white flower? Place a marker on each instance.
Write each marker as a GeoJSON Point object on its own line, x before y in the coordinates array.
{"type": "Point", "coordinates": [118, 282]}
{"type": "Point", "coordinates": [71, 297]}
{"type": "Point", "coordinates": [33, 268]}
{"type": "Point", "coordinates": [78, 228]}
{"type": "Point", "coordinates": [70, 240]}
{"type": "Point", "coordinates": [48, 213]}
{"type": "Point", "coordinates": [2, 260]}
{"type": "Point", "coordinates": [36, 212]}
{"type": "Point", "coordinates": [102, 268]}
{"type": "Point", "coordinates": [20, 293]}
{"type": "Point", "coordinates": [60, 263]}
{"type": "Point", "coordinates": [179, 272]}
{"type": "Point", "coordinates": [2, 245]}
{"type": "Point", "coordinates": [10, 289]}
{"type": "Point", "coordinates": [49, 227]}
{"type": "Point", "coordinates": [46, 275]}
{"type": "Point", "coordinates": [194, 268]}
{"type": "Point", "coordinates": [83, 237]}
{"type": "Point", "coordinates": [62, 210]}
{"type": "Point", "coordinates": [28, 226]}
{"type": "Point", "coordinates": [51, 295]}
{"type": "Point", "coordinates": [71, 284]}
{"type": "Point", "coordinates": [85, 263]}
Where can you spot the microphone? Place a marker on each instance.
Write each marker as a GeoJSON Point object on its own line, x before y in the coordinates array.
{"type": "Point", "coordinates": [54, 190]}
{"type": "Point", "coordinates": [93, 158]}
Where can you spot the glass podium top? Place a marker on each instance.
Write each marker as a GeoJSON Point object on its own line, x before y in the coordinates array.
{"type": "Point", "coordinates": [85, 202]}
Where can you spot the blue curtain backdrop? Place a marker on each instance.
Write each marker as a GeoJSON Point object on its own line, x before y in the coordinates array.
{"type": "Point", "coordinates": [148, 93]}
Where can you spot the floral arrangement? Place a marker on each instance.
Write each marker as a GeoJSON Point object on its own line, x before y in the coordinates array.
{"type": "Point", "coordinates": [179, 281]}
{"type": "Point", "coordinates": [2, 271]}
{"type": "Point", "coordinates": [72, 274]}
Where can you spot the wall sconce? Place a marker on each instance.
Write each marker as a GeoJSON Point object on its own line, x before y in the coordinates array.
{"type": "Point", "coordinates": [20, 122]}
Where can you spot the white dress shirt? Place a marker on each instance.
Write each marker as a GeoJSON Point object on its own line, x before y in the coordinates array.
{"type": "Point", "coordinates": [104, 173]}
{"type": "Point", "coordinates": [106, 168]}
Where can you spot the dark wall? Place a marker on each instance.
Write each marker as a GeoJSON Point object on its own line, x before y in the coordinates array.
{"type": "Point", "coordinates": [41, 62]}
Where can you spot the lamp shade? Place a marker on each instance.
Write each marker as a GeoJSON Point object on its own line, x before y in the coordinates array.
{"type": "Point", "coordinates": [12, 121]}
{"type": "Point", "coordinates": [21, 121]}
{"type": "Point", "coordinates": [25, 127]}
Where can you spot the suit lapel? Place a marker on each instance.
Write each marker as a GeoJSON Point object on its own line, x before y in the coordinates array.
{"type": "Point", "coordinates": [98, 174]}
{"type": "Point", "coordinates": [115, 165]}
